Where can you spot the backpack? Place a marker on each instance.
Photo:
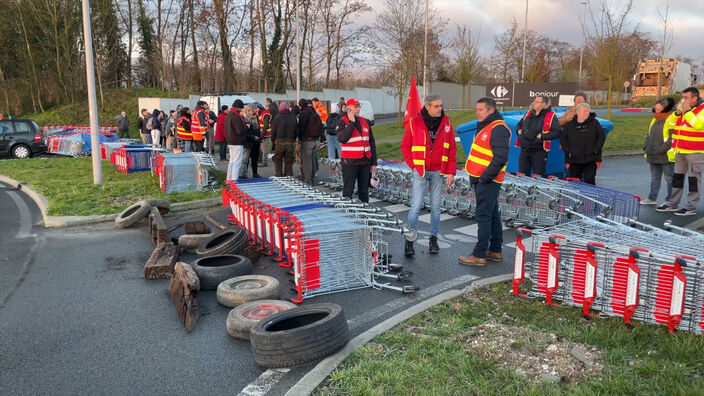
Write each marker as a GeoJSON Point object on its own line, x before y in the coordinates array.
{"type": "Point", "coordinates": [314, 128]}
{"type": "Point", "coordinates": [150, 124]}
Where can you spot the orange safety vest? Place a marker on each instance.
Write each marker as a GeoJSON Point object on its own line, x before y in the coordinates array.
{"type": "Point", "coordinates": [419, 144]}
{"type": "Point", "coordinates": [181, 132]}
{"type": "Point", "coordinates": [480, 155]}
{"type": "Point", "coordinates": [267, 132]}
{"type": "Point", "coordinates": [358, 145]}
{"type": "Point", "coordinates": [197, 129]}
{"type": "Point", "coordinates": [547, 121]}
{"type": "Point", "coordinates": [322, 112]}
{"type": "Point", "coordinates": [686, 139]}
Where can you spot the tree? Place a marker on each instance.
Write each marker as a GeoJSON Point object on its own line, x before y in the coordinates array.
{"type": "Point", "coordinates": [127, 22]}
{"type": "Point", "coordinates": [506, 54]}
{"type": "Point", "coordinates": [467, 59]}
{"type": "Point", "coordinates": [667, 40]}
{"type": "Point", "coordinates": [147, 73]}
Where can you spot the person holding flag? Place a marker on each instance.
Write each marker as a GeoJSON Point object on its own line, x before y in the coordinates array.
{"type": "Point", "coordinates": [429, 149]}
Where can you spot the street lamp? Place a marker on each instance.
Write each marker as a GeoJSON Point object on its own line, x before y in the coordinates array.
{"type": "Point", "coordinates": [584, 41]}
{"type": "Point", "coordinates": [92, 105]}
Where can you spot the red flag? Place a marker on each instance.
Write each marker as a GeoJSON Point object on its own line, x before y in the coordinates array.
{"type": "Point", "coordinates": [413, 105]}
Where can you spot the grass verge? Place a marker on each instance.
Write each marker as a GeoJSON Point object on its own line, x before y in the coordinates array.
{"type": "Point", "coordinates": [448, 350]}
{"type": "Point", "coordinates": [67, 183]}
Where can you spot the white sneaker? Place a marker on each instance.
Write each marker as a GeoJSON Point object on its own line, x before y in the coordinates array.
{"type": "Point", "coordinates": [647, 202]}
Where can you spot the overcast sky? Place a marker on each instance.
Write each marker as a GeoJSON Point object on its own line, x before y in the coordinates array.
{"type": "Point", "coordinates": [560, 19]}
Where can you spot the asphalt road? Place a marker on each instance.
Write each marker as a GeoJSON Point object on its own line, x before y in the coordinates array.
{"type": "Point", "coordinates": [79, 317]}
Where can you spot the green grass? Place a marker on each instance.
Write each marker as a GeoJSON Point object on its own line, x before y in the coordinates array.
{"type": "Point", "coordinates": [430, 353]}
{"type": "Point", "coordinates": [116, 101]}
{"type": "Point", "coordinates": [67, 183]}
{"type": "Point", "coordinates": [629, 132]}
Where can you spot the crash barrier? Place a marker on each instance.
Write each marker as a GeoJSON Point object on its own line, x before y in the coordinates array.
{"type": "Point", "coordinates": [181, 172]}
{"type": "Point", "coordinates": [635, 270]}
{"type": "Point", "coordinates": [75, 140]}
{"type": "Point", "coordinates": [523, 202]}
{"type": "Point", "coordinates": [331, 243]}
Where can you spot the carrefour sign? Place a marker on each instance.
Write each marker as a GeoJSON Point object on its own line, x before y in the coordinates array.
{"type": "Point", "coordinates": [523, 94]}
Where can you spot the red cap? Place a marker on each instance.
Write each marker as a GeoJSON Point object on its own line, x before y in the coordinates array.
{"type": "Point", "coordinates": [352, 102]}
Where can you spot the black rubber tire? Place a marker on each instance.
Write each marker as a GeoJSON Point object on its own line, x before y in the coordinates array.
{"type": "Point", "coordinates": [163, 205]}
{"type": "Point", "coordinates": [239, 290]}
{"type": "Point", "coordinates": [241, 319]}
{"type": "Point", "coordinates": [299, 336]}
{"type": "Point", "coordinates": [231, 240]}
{"type": "Point", "coordinates": [133, 214]}
{"type": "Point", "coordinates": [19, 151]}
{"type": "Point", "coordinates": [212, 270]}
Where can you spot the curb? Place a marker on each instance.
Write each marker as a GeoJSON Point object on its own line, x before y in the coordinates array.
{"type": "Point", "coordinates": [310, 381]}
{"type": "Point", "coordinates": [68, 221]}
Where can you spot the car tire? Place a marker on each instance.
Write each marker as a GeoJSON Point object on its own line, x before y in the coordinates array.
{"type": "Point", "coordinates": [231, 240]}
{"type": "Point", "coordinates": [242, 318]}
{"type": "Point", "coordinates": [241, 289]}
{"type": "Point", "coordinates": [212, 270]}
{"type": "Point", "coordinates": [21, 151]}
{"type": "Point", "coordinates": [133, 214]}
{"type": "Point", "coordinates": [299, 336]}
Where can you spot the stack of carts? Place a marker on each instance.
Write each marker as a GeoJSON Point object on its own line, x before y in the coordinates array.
{"type": "Point", "coordinates": [182, 172]}
{"type": "Point", "coordinates": [332, 244]}
{"type": "Point", "coordinates": [531, 202]}
{"type": "Point", "coordinates": [632, 270]}
{"type": "Point", "coordinates": [75, 140]}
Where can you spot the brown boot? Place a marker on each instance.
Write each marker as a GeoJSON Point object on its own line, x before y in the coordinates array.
{"type": "Point", "coordinates": [495, 256]}
{"type": "Point", "coordinates": [472, 261]}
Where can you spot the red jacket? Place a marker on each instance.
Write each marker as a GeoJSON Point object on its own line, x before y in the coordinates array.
{"type": "Point", "coordinates": [439, 156]}
{"type": "Point", "coordinates": [220, 127]}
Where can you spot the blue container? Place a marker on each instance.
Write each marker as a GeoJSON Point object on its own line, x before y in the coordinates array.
{"type": "Point", "coordinates": [556, 157]}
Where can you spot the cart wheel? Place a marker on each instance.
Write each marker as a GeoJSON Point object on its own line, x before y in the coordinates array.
{"type": "Point", "coordinates": [395, 267]}
{"type": "Point", "coordinates": [410, 289]}
{"type": "Point", "coordinates": [405, 275]}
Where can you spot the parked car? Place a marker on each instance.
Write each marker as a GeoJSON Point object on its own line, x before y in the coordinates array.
{"type": "Point", "coordinates": [21, 138]}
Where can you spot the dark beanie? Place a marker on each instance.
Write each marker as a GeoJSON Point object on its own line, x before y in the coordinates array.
{"type": "Point", "coordinates": [238, 104]}
{"type": "Point", "coordinates": [303, 103]}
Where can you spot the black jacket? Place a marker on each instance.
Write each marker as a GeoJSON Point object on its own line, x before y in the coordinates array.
{"type": "Point", "coordinates": [234, 128]}
{"type": "Point", "coordinates": [655, 146]}
{"type": "Point", "coordinates": [332, 123]}
{"type": "Point", "coordinates": [310, 127]}
{"type": "Point", "coordinates": [142, 125]}
{"type": "Point", "coordinates": [273, 109]}
{"type": "Point", "coordinates": [344, 133]}
{"type": "Point", "coordinates": [582, 142]}
{"type": "Point", "coordinates": [284, 126]}
{"type": "Point", "coordinates": [499, 142]}
{"type": "Point", "coordinates": [533, 126]}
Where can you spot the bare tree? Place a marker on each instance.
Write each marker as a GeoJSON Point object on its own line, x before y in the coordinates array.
{"type": "Point", "coordinates": [667, 40]}
{"type": "Point", "coordinates": [127, 22]}
{"type": "Point", "coordinates": [506, 53]}
{"type": "Point", "coordinates": [467, 59]}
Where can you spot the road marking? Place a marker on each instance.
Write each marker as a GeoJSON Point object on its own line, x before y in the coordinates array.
{"type": "Point", "coordinates": [426, 217]}
{"type": "Point", "coordinates": [374, 200]}
{"type": "Point", "coordinates": [262, 385]}
{"type": "Point", "coordinates": [25, 216]}
{"type": "Point", "coordinates": [400, 302]}
{"type": "Point", "coordinates": [396, 208]}
{"type": "Point", "coordinates": [526, 241]}
{"type": "Point", "coordinates": [472, 229]}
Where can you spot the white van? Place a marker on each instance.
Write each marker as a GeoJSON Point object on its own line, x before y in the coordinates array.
{"type": "Point", "coordinates": [366, 110]}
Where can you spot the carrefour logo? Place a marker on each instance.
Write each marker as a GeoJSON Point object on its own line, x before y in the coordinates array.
{"type": "Point", "coordinates": [499, 91]}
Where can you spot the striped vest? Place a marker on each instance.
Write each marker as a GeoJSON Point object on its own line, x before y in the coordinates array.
{"type": "Point", "coordinates": [181, 132]}
{"type": "Point", "coordinates": [197, 129]}
{"type": "Point", "coordinates": [358, 145]}
{"type": "Point", "coordinates": [547, 121]}
{"type": "Point", "coordinates": [686, 139]}
{"type": "Point", "coordinates": [481, 155]}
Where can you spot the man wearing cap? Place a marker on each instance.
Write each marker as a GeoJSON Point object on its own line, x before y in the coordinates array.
{"type": "Point", "coordinates": [428, 146]}
{"type": "Point", "coordinates": [284, 128]}
{"type": "Point", "coordinates": [235, 137]}
{"type": "Point", "coordinates": [358, 154]}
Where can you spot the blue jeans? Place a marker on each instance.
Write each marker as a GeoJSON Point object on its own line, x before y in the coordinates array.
{"type": "Point", "coordinates": [657, 171]}
{"type": "Point", "coordinates": [489, 235]}
{"type": "Point", "coordinates": [420, 185]}
{"type": "Point", "coordinates": [333, 144]}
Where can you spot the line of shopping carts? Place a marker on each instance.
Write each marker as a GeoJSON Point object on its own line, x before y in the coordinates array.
{"type": "Point", "coordinates": [632, 270]}
{"type": "Point", "coordinates": [74, 140]}
{"type": "Point", "coordinates": [331, 244]}
{"type": "Point", "coordinates": [524, 201]}
{"type": "Point", "coordinates": [182, 172]}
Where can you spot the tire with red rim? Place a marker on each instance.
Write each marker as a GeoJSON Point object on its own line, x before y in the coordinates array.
{"type": "Point", "coordinates": [245, 316]}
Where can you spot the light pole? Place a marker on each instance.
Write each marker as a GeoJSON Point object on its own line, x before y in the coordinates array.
{"type": "Point", "coordinates": [425, 54]}
{"type": "Point", "coordinates": [525, 38]}
{"type": "Point", "coordinates": [584, 42]}
{"type": "Point", "coordinates": [92, 107]}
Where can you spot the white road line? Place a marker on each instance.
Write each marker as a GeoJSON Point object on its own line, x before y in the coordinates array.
{"type": "Point", "coordinates": [472, 229]}
{"type": "Point", "coordinates": [396, 208]}
{"type": "Point", "coordinates": [374, 200]}
{"type": "Point", "coordinates": [400, 302]}
{"type": "Point", "coordinates": [426, 217]}
{"type": "Point", "coordinates": [264, 383]}
{"type": "Point", "coordinates": [526, 241]}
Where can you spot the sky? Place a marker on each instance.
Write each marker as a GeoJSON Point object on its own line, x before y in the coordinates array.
{"type": "Point", "coordinates": [560, 19]}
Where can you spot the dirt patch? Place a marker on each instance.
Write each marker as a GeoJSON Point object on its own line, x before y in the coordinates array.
{"type": "Point", "coordinates": [115, 263]}
{"type": "Point", "coordinates": [534, 355]}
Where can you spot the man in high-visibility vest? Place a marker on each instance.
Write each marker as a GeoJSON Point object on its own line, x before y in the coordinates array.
{"type": "Point", "coordinates": [265, 118]}
{"type": "Point", "coordinates": [688, 142]}
{"type": "Point", "coordinates": [200, 124]}
{"type": "Point", "coordinates": [358, 154]}
{"type": "Point", "coordinates": [486, 165]}
{"type": "Point", "coordinates": [428, 146]}
{"type": "Point", "coordinates": [320, 109]}
{"type": "Point", "coordinates": [183, 130]}
{"type": "Point", "coordinates": [535, 130]}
